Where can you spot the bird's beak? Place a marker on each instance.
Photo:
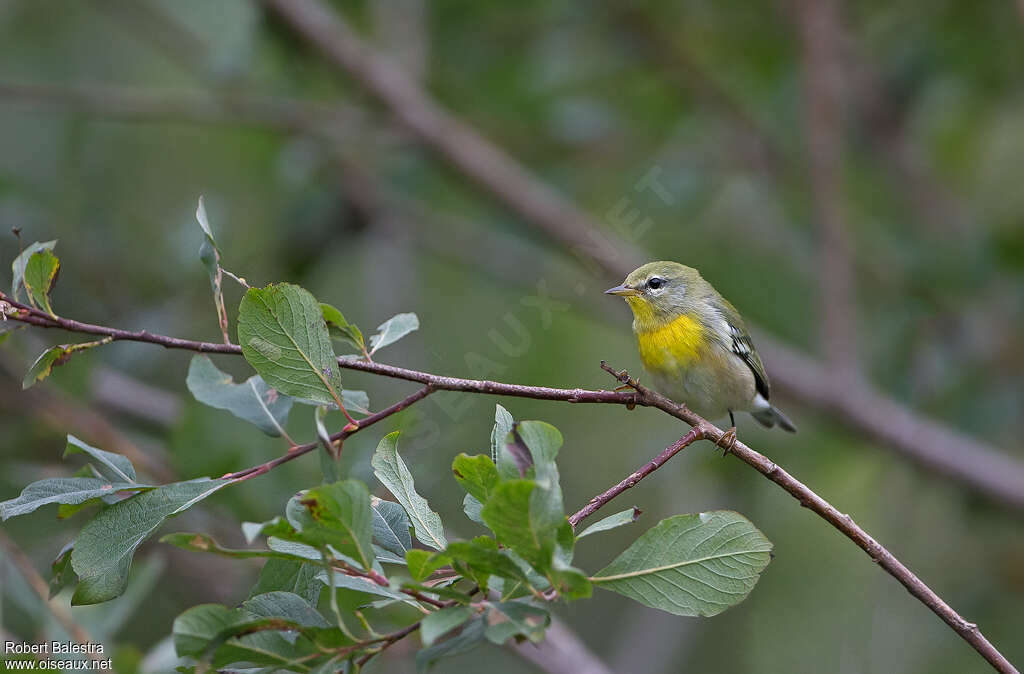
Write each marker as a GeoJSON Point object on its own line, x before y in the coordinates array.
{"type": "Point", "coordinates": [623, 290]}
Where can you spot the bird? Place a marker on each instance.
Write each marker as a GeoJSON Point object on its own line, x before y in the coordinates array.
{"type": "Point", "coordinates": [694, 345]}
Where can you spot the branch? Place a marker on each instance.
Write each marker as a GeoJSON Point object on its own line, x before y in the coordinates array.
{"type": "Point", "coordinates": [934, 445]}
{"type": "Point", "coordinates": [640, 396]}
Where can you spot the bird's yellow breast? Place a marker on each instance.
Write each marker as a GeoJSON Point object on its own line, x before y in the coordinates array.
{"type": "Point", "coordinates": [672, 344]}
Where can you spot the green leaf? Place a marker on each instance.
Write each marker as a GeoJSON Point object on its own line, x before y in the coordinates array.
{"type": "Point", "coordinates": [194, 629]}
{"type": "Point", "coordinates": [59, 576]}
{"type": "Point", "coordinates": [359, 584]}
{"type": "Point", "coordinates": [67, 490]}
{"type": "Point", "coordinates": [483, 556]}
{"type": "Point", "coordinates": [205, 543]}
{"type": "Point", "coordinates": [285, 605]}
{"type": "Point", "coordinates": [471, 635]}
{"type": "Point", "coordinates": [284, 337]}
{"type": "Point", "coordinates": [391, 526]}
{"type": "Point", "coordinates": [477, 475]}
{"type": "Point", "coordinates": [500, 455]}
{"type": "Point", "coordinates": [472, 508]}
{"type": "Point", "coordinates": [20, 262]}
{"type": "Point", "coordinates": [54, 357]}
{"type": "Point", "coordinates": [339, 515]}
{"type": "Point", "coordinates": [611, 522]}
{"type": "Point", "coordinates": [40, 276]}
{"type": "Point", "coordinates": [392, 330]}
{"type": "Point", "coordinates": [105, 546]}
{"type": "Point", "coordinates": [289, 575]}
{"type": "Point", "coordinates": [422, 563]}
{"type": "Point", "coordinates": [330, 456]}
{"type": "Point", "coordinates": [252, 400]}
{"type": "Point", "coordinates": [339, 328]}
{"type": "Point", "coordinates": [392, 472]}
{"type": "Point", "coordinates": [209, 254]}
{"type": "Point", "coordinates": [691, 565]}
{"type": "Point", "coordinates": [514, 618]}
{"type": "Point", "coordinates": [114, 467]}
{"type": "Point", "coordinates": [443, 621]}
{"type": "Point", "coordinates": [507, 513]}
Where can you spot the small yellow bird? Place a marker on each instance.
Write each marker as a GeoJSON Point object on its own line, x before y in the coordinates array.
{"type": "Point", "coordinates": [695, 346]}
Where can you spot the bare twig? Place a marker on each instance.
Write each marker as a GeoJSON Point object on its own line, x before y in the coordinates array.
{"type": "Point", "coordinates": [975, 463]}
{"type": "Point", "coordinates": [639, 396]}
{"type": "Point", "coordinates": [41, 588]}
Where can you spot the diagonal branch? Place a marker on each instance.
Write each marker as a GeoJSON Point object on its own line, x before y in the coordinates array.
{"type": "Point", "coordinates": [934, 445]}
{"type": "Point", "coordinates": [641, 395]}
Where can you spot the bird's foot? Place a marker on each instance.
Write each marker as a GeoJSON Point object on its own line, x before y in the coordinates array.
{"type": "Point", "coordinates": [728, 441]}
{"type": "Point", "coordinates": [630, 385]}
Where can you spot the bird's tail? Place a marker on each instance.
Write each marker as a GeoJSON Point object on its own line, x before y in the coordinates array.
{"type": "Point", "coordinates": [771, 416]}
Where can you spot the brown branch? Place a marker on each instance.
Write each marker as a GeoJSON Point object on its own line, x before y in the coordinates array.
{"type": "Point", "coordinates": [974, 463]}
{"type": "Point", "coordinates": [41, 588]}
{"type": "Point", "coordinates": [641, 396]}
{"type": "Point", "coordinates": [599, 501]}
{"type": "Point", "coordinates": [841, 521]}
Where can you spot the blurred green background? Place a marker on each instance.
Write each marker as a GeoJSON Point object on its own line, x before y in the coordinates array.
{"type": "Point", "coordinates": [718, 99]}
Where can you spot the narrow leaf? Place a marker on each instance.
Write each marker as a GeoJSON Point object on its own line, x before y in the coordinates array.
{"type": "Point", "coordinates": [393, 329]}
{"type": "Point", "coordinates": [503, 459]}
{"type": "Point", "coordinates": [105, 546]}
{"type": "Point", "coordinates": [114, 467]}
{"type": "Point", "coordinates": [392, 472]}
{"type": "Point", "coordinates": [209, 254]}
{"type": "Point", "coordinates": [54, 357]}
{"type": "Point", "coordinates": [339, 515]}
{"type": "Point", "coordinates": [611, 522]}
{"type": "Point", "coordinates": [339, 328]}
{"type": "Point", "coordinates": [40, 276]}
{"type": "Point", "coordinates": [284, 337]}
{"type": "Point", "coordinates": [443, 621]}
{"type": "Point", "coordinates": [65, 490]}
{"type": "Point", "coordinates": [477, 475]}
{"type": "Point", "coordinates": [251, 401]}
{"type": "Point", "coordinates": [691, 565]}
{"type": "Point", "coordinates": [391, 526]}
{"type": "Point", "coordinates": [20, 262]}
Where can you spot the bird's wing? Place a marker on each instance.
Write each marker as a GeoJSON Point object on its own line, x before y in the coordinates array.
{"type": "Point", "coordinates": [742, 345]}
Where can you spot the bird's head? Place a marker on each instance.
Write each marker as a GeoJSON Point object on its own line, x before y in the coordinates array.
{"type": "Point", "coordinates": [661, 290]}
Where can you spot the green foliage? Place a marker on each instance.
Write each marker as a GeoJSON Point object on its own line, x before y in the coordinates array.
{"type": "Point", "coordinates": [392, 472]}
{"type": "Point", "coordinates": [40, 276]}
{"type": "Point", "coordinates": [611, 522]}
{"type": "Point", "coordinates": [283, 336]}
{"type": "Point", "coordinates": [692, 565]}
{"type": "Point", "coordinates": [105, 546]}
{"type": "Point", "coordinates": [392, 330]}
{"type": "Point", "coordinates": [54, 357]}
{"type": "Point", "coordinates": [252, 400]}
{"type": "Point", "coordinates": [336, 537]}
{"type": "Point", "coordinates": [20, 263]}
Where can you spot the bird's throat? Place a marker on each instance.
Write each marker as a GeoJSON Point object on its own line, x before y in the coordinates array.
{"type": "Point", "coordinates": [669, 343]}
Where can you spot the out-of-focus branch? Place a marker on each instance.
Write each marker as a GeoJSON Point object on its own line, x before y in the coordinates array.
{"type": "Point", "coordinates": [561, 652]}
{"type": "Point", "coordinates": [821, 36]}
{"type": "Point", "coordinates": [228, 109]}
{"type": "Point", "coordinates": [700, 429]}
{"type": "Point", "coordinates": [41, 588]}
{"type": "Point", "coordinates": [460, 144]}
{"type": "Point", "coordinates": [976, 464]}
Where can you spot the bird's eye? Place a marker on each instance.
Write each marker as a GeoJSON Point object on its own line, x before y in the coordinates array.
{"type": "Point", "coordinates": [655, 283]}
